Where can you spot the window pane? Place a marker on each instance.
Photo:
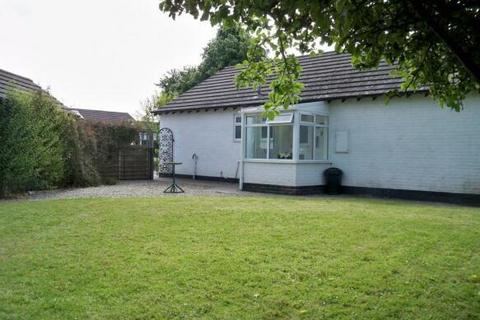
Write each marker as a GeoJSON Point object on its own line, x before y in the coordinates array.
{"type": "Point", "coordinates": [238, 132]}
{"type": "Point", "coordinates": [255, 119]}
{"type": "Point", "coordinates": [282, 118]}
{"type": "Point", "coordinates": [306, 118]}
{"type": "Point", "coordinates": [281, 141]}
{"type": "Point", "coordinates": [306, 143]}
{"type": "Point", "coordinates": [256, 146]}
{"type": "Point", "coordinates": [238, 119]}
{"type": "Point", "coordinates": [321, 120]}
{"type": "Point", "coordinates": [264, 132]}
{"type": "Point", "coordinates": [321, 140]}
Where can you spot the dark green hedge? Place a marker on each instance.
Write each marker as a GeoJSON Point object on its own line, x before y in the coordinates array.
{"type": "Point", "coordinates": [43, 146]}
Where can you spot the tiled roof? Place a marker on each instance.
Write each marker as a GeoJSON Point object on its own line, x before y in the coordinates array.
{"type": "Point", "coordinates": [326, 77]}
{"type": "Point", "coordinates": [101, 116]}
{"type": "Point", "coordinates": [10, 80]}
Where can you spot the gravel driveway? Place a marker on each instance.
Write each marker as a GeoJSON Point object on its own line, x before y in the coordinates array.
{"type": "Point", "coordinates": [145, 188]}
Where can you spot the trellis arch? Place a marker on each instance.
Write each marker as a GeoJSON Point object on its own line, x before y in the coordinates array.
{"type": "Point", "coordinates": [166, 151]}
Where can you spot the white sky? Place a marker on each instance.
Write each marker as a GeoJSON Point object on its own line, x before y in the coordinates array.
{"type": "Point", "coordinates": [97, 54]}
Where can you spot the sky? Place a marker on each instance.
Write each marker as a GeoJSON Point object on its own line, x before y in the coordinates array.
{"type": "Point", "coordinates": [97, 54]}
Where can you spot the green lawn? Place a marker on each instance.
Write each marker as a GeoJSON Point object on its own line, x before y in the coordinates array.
{"type": "Point", "coordinates": [238, 258]}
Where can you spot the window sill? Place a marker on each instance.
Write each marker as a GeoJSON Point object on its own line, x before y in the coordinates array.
{"type": "Point", "coordinates": [287, 161]}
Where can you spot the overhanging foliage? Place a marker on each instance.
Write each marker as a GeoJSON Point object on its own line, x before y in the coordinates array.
{"type": "Point", "coordinates": [432, 43]}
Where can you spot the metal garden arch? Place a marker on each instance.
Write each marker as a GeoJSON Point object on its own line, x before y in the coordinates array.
{"type": "Point", "coordinates": [166, 151]}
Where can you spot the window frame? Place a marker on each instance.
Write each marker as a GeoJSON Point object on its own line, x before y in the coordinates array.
{"type": "Point", "coordinates": [275, 121]}
{"type": "Point", "coordinates": [268, 125]}
{"type": "Point", "coordinates": [315, 126]}
{"type": "Point", "coordinates": [270, 139]}
{"type": "Point", "coordinates": [237, 124]}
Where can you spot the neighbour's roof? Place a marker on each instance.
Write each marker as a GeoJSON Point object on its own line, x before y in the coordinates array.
{"type": "Point", "coordinates": [10, 80]}
{"type": "Point", "coordinates": [326, 77]}
{"type": "Point", "coordinates": [101, 116]}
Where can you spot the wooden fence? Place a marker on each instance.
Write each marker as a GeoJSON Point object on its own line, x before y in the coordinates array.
{"type": "Point", "coordinates": [129, 163]}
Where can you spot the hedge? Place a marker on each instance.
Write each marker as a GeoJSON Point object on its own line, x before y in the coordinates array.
{"type": "Point", "coordinates": [44, 146]}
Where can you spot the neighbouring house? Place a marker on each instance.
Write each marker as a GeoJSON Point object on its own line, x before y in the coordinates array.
{"type": "Point", "coordinates": [145, 138]}
{"type": "Point", "coordinates": [101, 116]}
{"type": "Point", "coordinates": [409, 148]}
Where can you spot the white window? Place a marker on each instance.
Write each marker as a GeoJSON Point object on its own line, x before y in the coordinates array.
{"type": "Point", "coordinates": [255, 119]}
{"type": "Point", "coordinates": [237, 127]}
{"type": "Point", "coordinates": [313, 137]}
{"type": "Point", "coordinates": [272, 139]}
{"type": "Point", "coordinates": [281, 142]}
{"type": "Point", "coordinates": [256, 142]}
{"type": "Point", "coordinates": [305, 150]}
{"type": "Point", "coordinates": [282, 118]}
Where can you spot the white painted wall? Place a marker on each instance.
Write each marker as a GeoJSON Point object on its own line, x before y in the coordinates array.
{"type": "Point", "coordinates": [210, 136]}
{"type": "Point", "coordinates": [409, 144]}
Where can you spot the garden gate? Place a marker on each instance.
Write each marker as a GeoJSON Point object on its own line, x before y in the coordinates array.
{"type": "Point", "coordinates": [133, 162]}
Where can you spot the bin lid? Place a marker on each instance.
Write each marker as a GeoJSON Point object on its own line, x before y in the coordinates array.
{"type": "Point", "coordinates": [333, 171]}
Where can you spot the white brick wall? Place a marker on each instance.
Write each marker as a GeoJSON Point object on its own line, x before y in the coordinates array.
{"type": "Point", "coordinates": [310, 174]}
{"type": "Point", "coordinates": [283, 174]}
{"type": "Point", "coordinates": [409, 144]}
{"type": "Point", "coordinates": [210, 136]}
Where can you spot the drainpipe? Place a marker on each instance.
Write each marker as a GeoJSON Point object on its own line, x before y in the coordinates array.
{"type": "Point", "coordinates": [195, 159]}
{"type": "Point", "coordinates": [242, 154]}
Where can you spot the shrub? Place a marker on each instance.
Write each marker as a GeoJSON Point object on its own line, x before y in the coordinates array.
{"type": "Point", "coordinates": [31, 153]}
{"type": "Point", "coordinates": [80, 150]}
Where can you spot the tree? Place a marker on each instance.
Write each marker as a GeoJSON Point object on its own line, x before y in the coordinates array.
{"type": "Point", "coordinates": [433, 43]}
{"type": "Point", "coordinates": [176, 82]}
{"type": "Point", "coordinates": [228, 48]}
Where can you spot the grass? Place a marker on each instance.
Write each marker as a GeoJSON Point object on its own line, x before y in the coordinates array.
{"type": "Point", "coordinates": [238, 258]}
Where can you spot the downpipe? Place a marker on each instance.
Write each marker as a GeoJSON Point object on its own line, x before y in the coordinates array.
{"type": "Point", "coordinates": [195, 159]}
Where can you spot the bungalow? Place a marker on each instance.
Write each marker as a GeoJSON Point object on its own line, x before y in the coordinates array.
{"type": "Point", "coordinates": [409, 148]}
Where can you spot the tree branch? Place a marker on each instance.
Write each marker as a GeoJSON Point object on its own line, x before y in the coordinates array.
{"type": "Point", "coordinates": [465, 59]}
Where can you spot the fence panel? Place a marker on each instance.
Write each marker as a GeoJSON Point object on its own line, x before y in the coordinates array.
{"type": "Point", "coordinates": [129, 163]}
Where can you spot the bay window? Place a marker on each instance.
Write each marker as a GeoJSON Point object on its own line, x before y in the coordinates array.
{"type": "Point", "coordinates": [278, 138]}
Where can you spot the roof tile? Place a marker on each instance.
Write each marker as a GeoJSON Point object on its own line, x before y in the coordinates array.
{"type": "Point", "coordinates": [327, 76]}
{"type": "Point", "coordinates": [102, 116]}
